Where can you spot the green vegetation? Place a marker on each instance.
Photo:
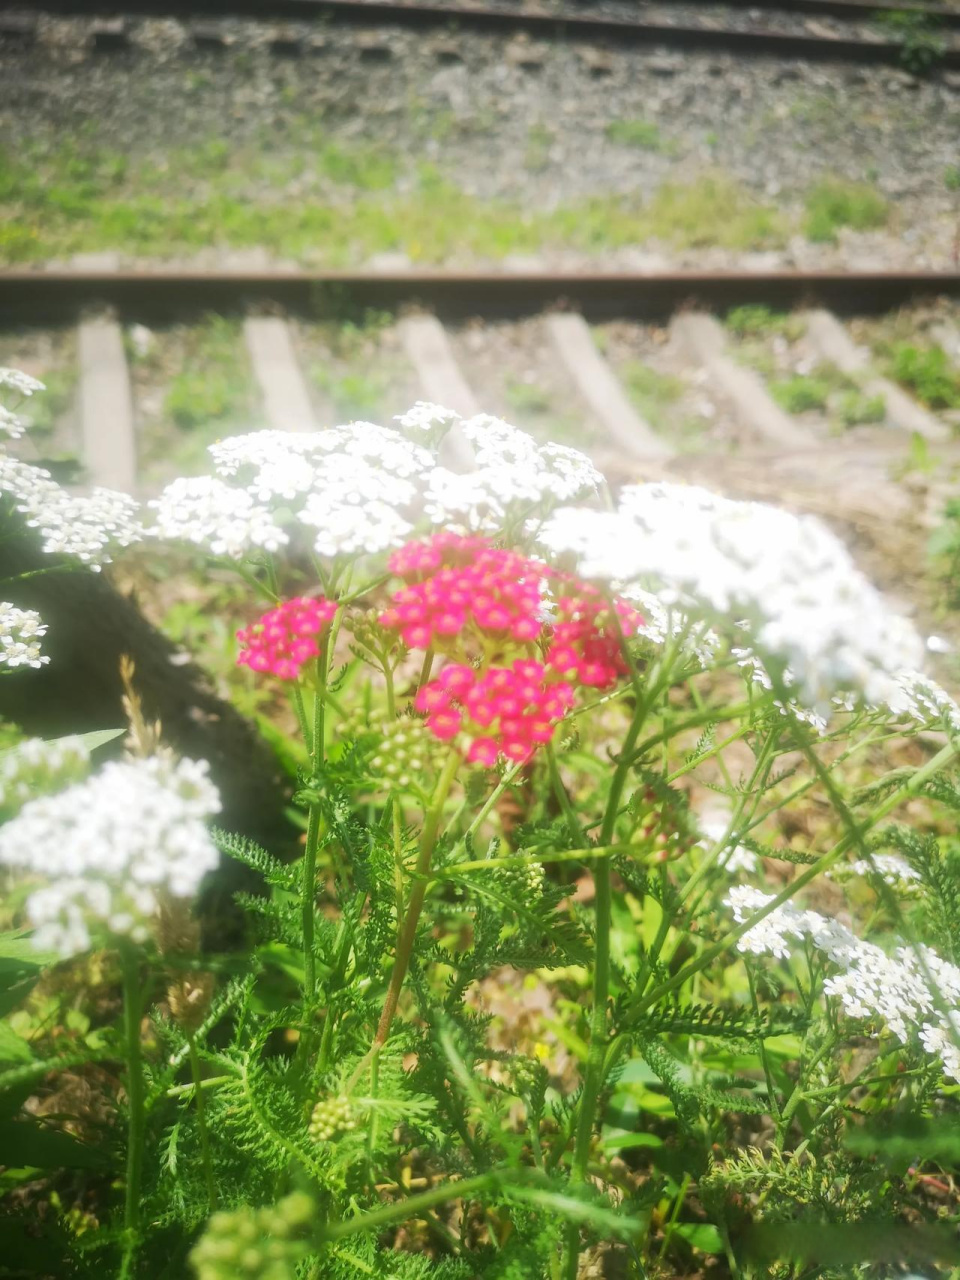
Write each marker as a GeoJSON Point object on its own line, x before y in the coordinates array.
{"type": "Point", "coordinates": [652, 392]}
{"type": "Point", "coordinates": [643, 134]}
{"type": "Point", "coordinates": [352, 395]}
{"type": "Point", "coordinates": [857, 409]}
{"type": "Point", "coordinates": [656, 396]}
{"type": "Point", "coordinates": [799, 394]}
{"type": "Point", "coordinates": [331, 207]}
{"type": "Point", "coordinates": [527, 398]}
{"type": "Point", "coordinates": [713, 210]}
{"type": "Point", "coordinates": [357, 377]}
{"type": "Point", "coordinates": [322, 202]}
{"type": "Point", "coordinates": [834, 203]}
{"type": "Point", "coordinates": [927, 373]}
{"type": "Point", "coordinates": [214, 383]}
{"type": "Point", "coordinates": [944, 550]}
{"type": "Point", "coordinates": [922, 44]}
{"type": "Point", "coordinates": [43, 411]}
{"type": "Point", "coordinates": [757, 321]}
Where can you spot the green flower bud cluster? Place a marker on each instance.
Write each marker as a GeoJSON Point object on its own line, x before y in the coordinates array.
{"type": "Point", "coordinates": [266, 1243]}
{"type": "Point", "coordinates": [331, 1117]}
{"type": "Point", "coordinates": [527, 1074]}
{"type": "Point", "coordinates": [405, 752]}
{"type": "Point", "coordinates": [522, 879]}
{"type": "Point", "coordinates": [365, 627]}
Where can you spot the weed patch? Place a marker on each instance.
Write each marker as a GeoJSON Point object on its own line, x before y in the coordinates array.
{"type": "Point", "coordinates": [834, 203]}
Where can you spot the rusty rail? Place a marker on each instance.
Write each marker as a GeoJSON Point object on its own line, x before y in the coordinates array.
{"type": "Point", "coordinates": [43, 297]}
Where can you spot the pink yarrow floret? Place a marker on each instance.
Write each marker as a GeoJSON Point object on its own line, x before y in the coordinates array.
{"type": "Point", "coordinates": [585, 642]}
{"type": "Point", "coordinates": [284, 639]}
{"type": "Point", "coordinates": [508, 710]}
{"type": "Point", "coordinates": [455, 583]}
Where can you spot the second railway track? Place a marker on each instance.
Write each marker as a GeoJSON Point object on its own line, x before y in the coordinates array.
{"type": "Point", "coordinates": [753, 35]}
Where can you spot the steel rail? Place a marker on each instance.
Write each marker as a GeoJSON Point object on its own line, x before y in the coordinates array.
{"type": "Point", "coordinates": [858, 10]}
{"type": "Point", "coordinates": [35, 296]}
{"type": "Point", "coordinates": [547, 25]}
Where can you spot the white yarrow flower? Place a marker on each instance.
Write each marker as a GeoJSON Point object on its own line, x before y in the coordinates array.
{"type": "Point", "coordinates": [34, 767]}
{"type": "Point", "coordinates": [426, 417]}
{"type": "Point", "coordinates": [20, 632]}
{"type": "Point", "coordinates": [805, 602]}
{"type": "Point", "coordinates": [21, 383]}
{"type": "Point", "coordinates": [109, 846]}
{"type": "Point", "coordinates": [900, 991]}
{"type": "Point", "coordinates": [208, 513]}
{"type": "Point", "coordinates": [10, 424]}
{"type": "Point", "coordinates": [87, 527]}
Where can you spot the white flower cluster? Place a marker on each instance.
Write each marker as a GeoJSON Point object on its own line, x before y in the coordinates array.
{"type": "Point", "coordinates": [512, 475]}
{"type": "Point", "coordinates": [35, 767]}
{"type": "Point", "coordinates": [426, 421]}
{"type": "Point", "coordinates": [20, 632]}
{"type": "Point", "coordinates": [210, 514]}
{"type": "Point", "coordinates": [86, 527]}
{"type": "Point", "coordinates": [109, 846]}
{"type": "Point", "coordinates": [804, 601]}
{"type": "Point", "coordinates": [919, 698]}
{"type": "Point", "coordinates": [893, 869]}
{"type": "Point", "coordinates": [22, 385]}
{"type": "Point", "coordinates": [11, 424]}
{"type": "Point", "coordinates": [359, 489]}
{"type": "Point", "coordinates": [904, 991]}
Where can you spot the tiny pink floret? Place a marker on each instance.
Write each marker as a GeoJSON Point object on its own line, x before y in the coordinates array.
{"type": "Point", "coordinates": [286, 638]}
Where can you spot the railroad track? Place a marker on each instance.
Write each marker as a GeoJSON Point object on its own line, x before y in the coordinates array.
{"type": "Point", "coordinates": [645, 374]}
{"type": "Point", "coordinates": [753, 38]}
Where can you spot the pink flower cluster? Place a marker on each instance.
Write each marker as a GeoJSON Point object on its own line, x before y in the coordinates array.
{"type": "Point", "coordinates": [285, 638]}
{"type": "Point", "coordinates": [480, 604]}
{"type": "Point", "coordinates": [455, 583]}
{"type": "Point", "coordinates": [510, 710]}
{"type": "Point", "coordinates": [585, 642]}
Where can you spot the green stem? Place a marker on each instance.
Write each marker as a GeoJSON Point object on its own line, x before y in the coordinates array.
{"type": "Point", "coordinates": [560, 791]}
{"type": "Point", "coordinates": [408, 930]}
{"type": "Point", "coordinates": [596, 1054]}
{"type": "Point", "coordinates": [410, 1207]}
{"type": "Point", "coordinates": [309, 884]}
{"type": "Point", "coordinates": [301, 714]}
{"type": "Point", "coordinates": [388, 687]}
{"type": "Point", "coordinates": [425, 669]}
{"type": "Point", "coordinates": [202, 1124]}
{"type": "Point", "coordinates": [308, 905]}
{"type": "Point", "coordinates": [132, 1009]}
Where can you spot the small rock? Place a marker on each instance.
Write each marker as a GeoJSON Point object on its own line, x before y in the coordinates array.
{"type": "Point", "coordinates": [528, 57]}
{"type": "Point", "coordinates": [447, 52]}
{"type": "Point", "coordinates": [373, 47]}
{"type": "Point", "coordinates": [596, 62]}
{"type": "Point", "coordinates": [659, 66]}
